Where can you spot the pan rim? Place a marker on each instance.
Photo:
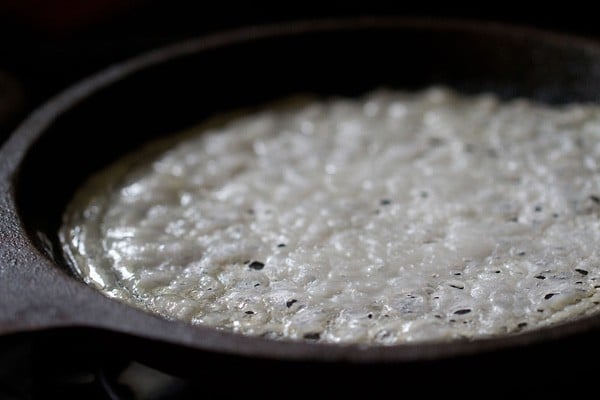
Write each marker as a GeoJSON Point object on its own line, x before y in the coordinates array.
{"type": "Point", "coordinates": [13, 152]}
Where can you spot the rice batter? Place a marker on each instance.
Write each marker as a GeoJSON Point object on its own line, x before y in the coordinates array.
{"type": "Point", "coordinates": [391, 218]}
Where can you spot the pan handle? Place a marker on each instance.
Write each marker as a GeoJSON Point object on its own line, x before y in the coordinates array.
{"type": "Point", "coordinates": [35, 294]}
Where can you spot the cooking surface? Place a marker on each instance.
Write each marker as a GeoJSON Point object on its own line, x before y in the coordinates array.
{"type": "Point", "coordinates": [42, 55]}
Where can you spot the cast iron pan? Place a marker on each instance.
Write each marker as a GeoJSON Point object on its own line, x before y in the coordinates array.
{"type": "Point", "coordinates": [161, 92]}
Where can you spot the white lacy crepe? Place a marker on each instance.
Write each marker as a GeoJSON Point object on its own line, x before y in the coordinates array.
{"type": "Point", "coordinates": [396, 217]}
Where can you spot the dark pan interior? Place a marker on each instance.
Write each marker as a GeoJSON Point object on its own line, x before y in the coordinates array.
{"type": "Point", "coordinates": [342, 58]}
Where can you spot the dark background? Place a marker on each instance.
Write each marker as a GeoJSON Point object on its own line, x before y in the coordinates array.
{"type": "Point", "coordinates": [46, 45]}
